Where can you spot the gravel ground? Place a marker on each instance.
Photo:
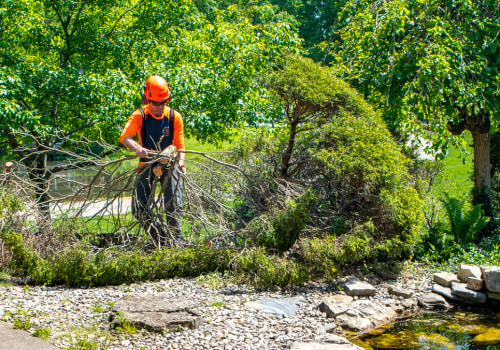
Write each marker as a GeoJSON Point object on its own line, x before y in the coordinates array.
{"type": "Point", "coordinates": [78, 318]}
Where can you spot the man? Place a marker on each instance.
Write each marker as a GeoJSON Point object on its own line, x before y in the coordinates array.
{"type": "Point", "coordinates": [157, 127]}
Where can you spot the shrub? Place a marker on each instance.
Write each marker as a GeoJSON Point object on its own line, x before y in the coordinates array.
{"type": "Point", "coordinates": [263, 270]}
{"type": "Point", "coordinates": [321, 256]}
{"type": "Point", "coordinates": [285, 225]}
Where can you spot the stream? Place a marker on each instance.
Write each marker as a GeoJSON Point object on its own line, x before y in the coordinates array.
{"type": "Point", "coordinates": [459, 329]}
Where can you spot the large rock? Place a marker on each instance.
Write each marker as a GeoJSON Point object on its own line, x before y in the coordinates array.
{"type": "Point", "coordinates": [400, 292]}
{"type": "Point", "coordinates": [363, 315]}
{"type": "Point", "coordinates": [355, 287]}
{"type": "Point", "coordinates": [325, 342]}
{"type": "Point", "coordinates": [465, 271]}
{"type": "Point", "coordinates": [282, 307]}
{"type": "Point", "coordinates": [444, 278]}
{"type": "Point", "coordinates": [490, 337]}
{"type": "Point", "coordinates": [493, 296]}
{"type": "Point", "coordinates": [467, 295]}
{"type": "Point", "coordinates": [335, 305]}
{"type": "Point", "coordinates": [475, 283]}
{"type": "Point", "coordinates": [491, 276]}
{"type": "Point", "coordinates": [155, 313]}
{"type": "Point", "coordinates": [432, 301]}
{"type": "Point", "coordinates": [444, 291]}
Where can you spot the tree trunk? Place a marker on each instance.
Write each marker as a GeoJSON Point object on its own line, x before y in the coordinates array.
{"type": "Point", "coordinates": [482, 174]}
{"type": "Point", "coordinates": [37, 170]}
{"type": "Point", "coordinates": [285, 158]}
{"type": "Point", "coordinates": [482, 171]}
{"type": "Point", "coordinates": [478, 123]}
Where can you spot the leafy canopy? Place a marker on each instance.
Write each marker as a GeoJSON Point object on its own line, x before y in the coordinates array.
{"type": "Point", "coordinates": [425, 60]}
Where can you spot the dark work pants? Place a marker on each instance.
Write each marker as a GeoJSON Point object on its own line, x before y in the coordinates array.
{"type": "Point", "coordinates": [146, 211]}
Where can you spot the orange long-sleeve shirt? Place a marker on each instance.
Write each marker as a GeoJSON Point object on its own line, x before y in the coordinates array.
{"type": "Point", "coordinates": [134, 125]}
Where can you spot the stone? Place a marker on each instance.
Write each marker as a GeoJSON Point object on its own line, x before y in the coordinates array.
{"type": "Point", "coordinates": [491, 276]}
{"type": "Point", "coordinates": [155, 313]}
{"type": "Point", "coordinates": [400, 292]}
{"type": "Point", "coordinates": [335, 305]}
{"type": "Point", "coordinates": [364, 314]}
{"type": "Point", "coordinates": [444, 291]}
{"type": "Point", "coordinates": [466, 270]}
{"type": "Point", "coordinates": [410, 304]}
{"type": "Point", "coordinates": [445, 278]}
{"type": "Point", "coordinates": [432, 301]}
{"type": "Point", "coordinates": [325, 342]}
{"type": "Point", "coordinates": [280, 307]}
{"type": "Point", "coordinates": [467, 295]}
{"type": "Point", "coordinates": [490, 337]}
{"type": "Point", "coordinates": [387, 275]}
{"type": "Point", "coordinates": [494, 296]}
{"type": "Point", "coordinates": [332, 309]}
{"type": "Point", "coordinates": [329, 328]}
{"type": "Point", "coordinates": [475, 283]}
{"type": "Point", "coordinates": [355, 287]}
{"type": "Point", "coordinates": [353, 324]}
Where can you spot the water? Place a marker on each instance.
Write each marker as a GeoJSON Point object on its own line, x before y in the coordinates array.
{"type": "Point", "coordinates": [471, 330]}
{"type": "Point", "coordinates": [66, 183]}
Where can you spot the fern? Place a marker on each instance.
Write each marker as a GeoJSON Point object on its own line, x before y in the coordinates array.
{"type": "Point", "coordinates": [464, 226]}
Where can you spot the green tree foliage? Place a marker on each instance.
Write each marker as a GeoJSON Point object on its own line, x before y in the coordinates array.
{"type": "Point", "coordinates": [333, 141]}
{"type": "Point", "coordinates": [429, 64]}
{"type": "Point", "coordinates": [71, 73]}
{"type": "Point", "coordinates": [318, 22]}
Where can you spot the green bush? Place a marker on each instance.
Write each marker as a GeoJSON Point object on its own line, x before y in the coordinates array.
{"type": "Point", "coordinates": [25, 260]}
{"type": "Point", "coordinates": [284, 225]}
{"type": "Point", "coordinates": [268, 271]}
{"type": "Point", "coordinates": [321, 256]}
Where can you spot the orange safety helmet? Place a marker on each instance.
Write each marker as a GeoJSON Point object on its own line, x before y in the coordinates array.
{"type": "Point", "coordinates": [157, 89]}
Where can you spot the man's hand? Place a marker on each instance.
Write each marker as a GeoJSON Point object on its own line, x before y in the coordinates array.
{"type": "Point", "coordinates": [182, 168]}
{"type": "Point", "coordinates": [140, 151]}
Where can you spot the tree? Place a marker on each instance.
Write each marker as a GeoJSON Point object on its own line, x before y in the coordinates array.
{"type": "Point", "coordinates": [60, 80]}
{"type": "Point", "coordinates": [430, 64]}
{"type": "Point", "coordinates": [330, 140]}
{"type": "Point", "coordinates": [72, 72]}
{"type": "Point", "coordinates": [305, 105]}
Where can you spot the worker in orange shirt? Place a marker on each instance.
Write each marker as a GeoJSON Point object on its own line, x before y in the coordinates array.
{"type": "Point", "coordinates": [157, 126]}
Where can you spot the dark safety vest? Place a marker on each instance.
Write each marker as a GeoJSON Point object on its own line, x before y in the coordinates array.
{"type": "Point", "coordinates": [157, 134]}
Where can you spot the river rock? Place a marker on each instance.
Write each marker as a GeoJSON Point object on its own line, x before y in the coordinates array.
{"type": "Point", "coordinates": [410, 304]}
{"type": "Point", "coordinates": [335, 305]}
{"type": "Point", "coordinates": [279, 307]}
{"type": "Point", "coordinates": [491, 276]}
{"type": "Point", "coordinates": [467, 295]}
{"type": "Point", "coordinates": [387, 275]}
{"type": "Point", "coordinates": [355, 287]}
{"type": "Point", "coordinates": [475, 283]}
{"type": "Point", "coordinates": [466, 270]}
{"type": "Point", "coordinates": [363, 315]}
{"type": "Point", "coordinates": [432, 301]}
{"type": "Point", "coordinates": [490, 337]}
{"type": "Point", "coordinates": [445, 278]}
{"type": "Point", "coordinates": [400, 292]}
{"type": "Point", "coordinates": [444, 291]}
{"type": "Point", "coordinates": [493, 296]}
{"type": "Point", "coordinates": [325, 342]}
{"type": "Point", "coordinates": [329, 328]}
{"type": "Point", "coordinates": [155, 313]}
